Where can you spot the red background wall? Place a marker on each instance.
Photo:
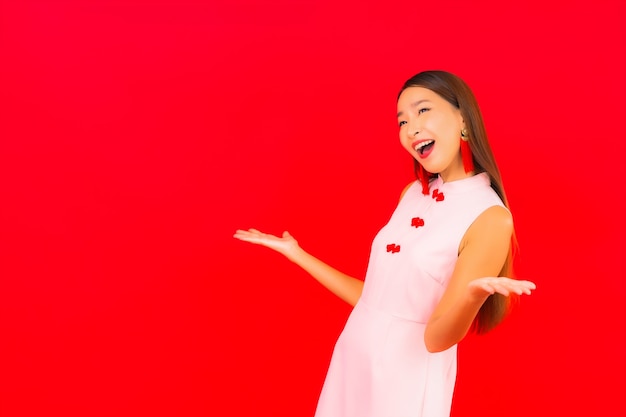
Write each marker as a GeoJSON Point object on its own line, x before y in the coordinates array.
{"type": "Point", "coordinates": [136, 136]}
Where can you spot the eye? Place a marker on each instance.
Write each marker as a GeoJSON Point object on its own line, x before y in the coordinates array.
{"type": "Point", "coordinates": [423, 110]}
{"type": "Point", "coordinates": [402, 123]}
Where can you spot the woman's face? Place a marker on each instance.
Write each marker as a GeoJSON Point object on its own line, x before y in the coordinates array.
{"type": "Point", "coordinates": [430, 130]}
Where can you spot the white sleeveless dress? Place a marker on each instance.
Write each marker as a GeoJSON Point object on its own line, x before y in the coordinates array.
{"type": "Point", "coordinates": [380, 366]}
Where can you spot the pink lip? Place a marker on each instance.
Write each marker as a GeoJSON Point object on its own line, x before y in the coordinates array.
{"type": "Point", "coordinates": [417, 142]}
{"type": "Point", "coordinates": [422, 155]}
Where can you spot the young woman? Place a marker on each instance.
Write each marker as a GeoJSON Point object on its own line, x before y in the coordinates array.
{"type": "Point", "coordinates": [436, 270]}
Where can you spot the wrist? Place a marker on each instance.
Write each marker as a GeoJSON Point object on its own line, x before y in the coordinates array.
{"type": "Point", "coordinates": [474, 298]}
{"type": "Point", "coordinates": [294, 254]}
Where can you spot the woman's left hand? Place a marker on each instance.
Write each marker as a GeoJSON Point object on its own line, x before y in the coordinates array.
{"type": "Point", "coordinates": [486, 286]}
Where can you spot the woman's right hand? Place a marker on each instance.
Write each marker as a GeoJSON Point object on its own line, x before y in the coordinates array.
{"type": "Point", "coordinates": [345, 287]}
{"type": "Point", "coordinates": [286, 244]}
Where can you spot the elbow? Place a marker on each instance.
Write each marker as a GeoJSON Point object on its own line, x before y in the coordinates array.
{"type": "Point", "coordinates": [432, 349]}
{"type": "Point", "coordinates": [436, 344]}
{"type": "Point", "coordinates": [435, 348]}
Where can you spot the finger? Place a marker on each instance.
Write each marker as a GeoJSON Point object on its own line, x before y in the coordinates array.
{"type": "Point", "coordinates": [487, 287]}
{"type": "Point", "coordinates": [247, 235]}
{"type": "Point", "coordinates": [256, 240]}
{"type": "Point", "coordinates": [526, 284]}
{"type": "Point", "coordinates": [240, 233]}
{"type": "Point", "coordinates": [519, 289]}
{"type": "Point", "coordinates": [524, 287]}
{"type": "Point", "coordinates": [501, 289]}
{"type": "Point", "coordinates": [243, 234]}
{"type": "Point", "coordinates": [249, 231]}
{"type": "Point", "coordinates": [515, 284]}
{"type": "Point", "coordinates": [246, 238]}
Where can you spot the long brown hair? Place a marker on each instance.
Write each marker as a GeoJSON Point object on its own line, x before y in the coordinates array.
{"type": "Point", "coordinates": [454, 90]}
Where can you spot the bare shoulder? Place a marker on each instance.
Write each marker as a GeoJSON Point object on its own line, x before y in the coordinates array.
{"type": "Point", "coordinates": [406, 189]}
{"type": "Point", "coordinates": [485, 246]}
{"type": "Point", "coordinates": [495, 222]}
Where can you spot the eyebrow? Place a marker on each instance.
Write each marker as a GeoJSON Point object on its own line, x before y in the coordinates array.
{"type": "Point", "coordinates": [413, 105]}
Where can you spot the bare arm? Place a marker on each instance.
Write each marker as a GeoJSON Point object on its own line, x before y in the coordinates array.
{"type": "Point", "coordinates": [482, 255]}
{"type": "Point", "coordinates": [345, 287]}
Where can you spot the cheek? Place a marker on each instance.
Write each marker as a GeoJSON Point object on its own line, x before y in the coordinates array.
{"type": "Point", "coordinates": [435, 126]}
{"type": "Point", "coordinates": [403, 137]}
{"type": "Point", "coordinates": [405, 142]}
{"type": "Point", "coordinates": [453, 136]}
{"type": "Point", "coordinates": [449, 131]}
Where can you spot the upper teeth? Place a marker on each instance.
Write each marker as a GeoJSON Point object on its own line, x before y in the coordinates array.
{"type": "Point", "coordinates": [422, 144]}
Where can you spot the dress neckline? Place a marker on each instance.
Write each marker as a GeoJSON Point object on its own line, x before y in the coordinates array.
{"type": "Point", "coordinates": [462, 185]}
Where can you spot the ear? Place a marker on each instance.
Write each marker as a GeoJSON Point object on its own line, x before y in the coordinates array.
{"type": "Point", "coordinates": [461, 120]}
{"type": "Point", "coordinates": [462, 123]}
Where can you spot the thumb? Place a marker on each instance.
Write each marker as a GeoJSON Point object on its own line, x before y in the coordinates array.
{"type": "Point", "coordinates": [286, 234]}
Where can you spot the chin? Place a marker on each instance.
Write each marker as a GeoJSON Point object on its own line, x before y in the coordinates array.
{"type": "Point", "coordinates": [431, 169]}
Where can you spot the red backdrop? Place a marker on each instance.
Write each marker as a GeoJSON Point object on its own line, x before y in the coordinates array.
{"type": "Point", "coordinates": [136, 136]}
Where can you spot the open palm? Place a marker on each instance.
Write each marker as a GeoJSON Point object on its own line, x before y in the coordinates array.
{"type": "Point", "coordinates": [501, 285]}
{"type": "Point", "coordinates": [285, 244]}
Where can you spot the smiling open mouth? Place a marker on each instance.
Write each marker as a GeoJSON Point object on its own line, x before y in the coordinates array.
{"type": "Point", "coordinates": [423, 148]}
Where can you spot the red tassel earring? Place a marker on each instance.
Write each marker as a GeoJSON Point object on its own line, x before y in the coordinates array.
{"type": "Point", "coordinates": [466, 152]}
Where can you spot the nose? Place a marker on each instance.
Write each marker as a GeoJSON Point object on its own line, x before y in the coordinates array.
{"type": "Point", "coordinates": [412, 129]}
